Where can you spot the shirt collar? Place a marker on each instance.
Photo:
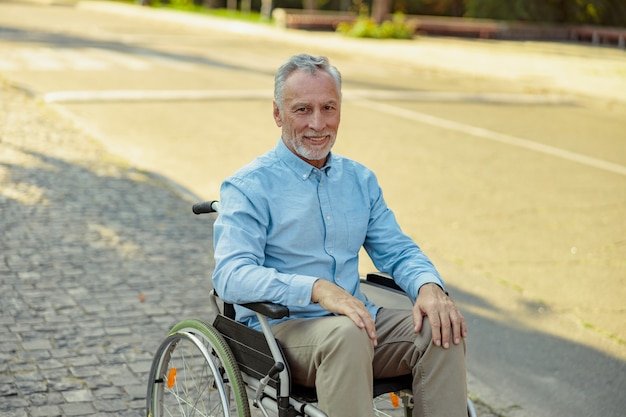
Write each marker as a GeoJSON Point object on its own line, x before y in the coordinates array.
{"type": "Point", "coordinates": [301, 168]}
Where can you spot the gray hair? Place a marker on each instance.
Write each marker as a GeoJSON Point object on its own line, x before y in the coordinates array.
{"type": "Point", "coordinates": [313, 64]}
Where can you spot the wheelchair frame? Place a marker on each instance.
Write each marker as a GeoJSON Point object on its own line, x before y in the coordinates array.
{"type": "Point", "coordinates": [213, 369]}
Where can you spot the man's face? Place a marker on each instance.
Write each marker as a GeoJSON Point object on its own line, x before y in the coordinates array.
{"type": "Point", "coordinates": [310, 116]}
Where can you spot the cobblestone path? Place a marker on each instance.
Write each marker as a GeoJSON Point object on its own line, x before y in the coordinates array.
{"type": "Point", "coordinates": [97, 261]}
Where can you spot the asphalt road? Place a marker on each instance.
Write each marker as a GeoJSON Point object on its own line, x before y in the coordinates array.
{"type": "Point", "coordinates": [515, 185]}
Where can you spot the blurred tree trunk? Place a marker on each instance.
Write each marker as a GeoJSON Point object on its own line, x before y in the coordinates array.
{"type": "Point", "coordinates": [380, 9]}
{"type": "Point", "coordinates": [266, 9]}
{"type": "Point", "coordinates": [458, 8]}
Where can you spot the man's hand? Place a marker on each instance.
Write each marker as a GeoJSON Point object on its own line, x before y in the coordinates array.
{"type": "Point", "coordinates": [442, 313]}
{"type": "Point", "coordinates": [335, 299]}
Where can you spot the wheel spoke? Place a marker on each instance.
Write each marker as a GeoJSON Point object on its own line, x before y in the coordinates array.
{"type": "Point", "coordinates": [192, 375]}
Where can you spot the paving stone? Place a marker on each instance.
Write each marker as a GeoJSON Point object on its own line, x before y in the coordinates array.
{"type": "Point", "coordinates": [65, 384]}
{"type": "Point", "coordinates": [8, 388]}
{"type": "Point", "coordinates": [78, 396]}
{"type": "Point", "coordinates": [136, 392]}
{"type": "Point", "coordinates": [29, 387]}
{"type": "Point", "coordinates": [84, 371]}
{"type": "Point", "coordinates": [110, 405]}
{"type": "Point", "coordinates": [140, 366]}
{"type": "Point", "coordinates": [78, 409]}
{"type": "Point", "coordinates": [83, 360]}
{"type": "Point", "coordinates": [49, 364]}
{"type": "Point", "coordinates": [108, 393]}
{"type": "Point", "coordinates": [22, 366]}
{"type": "Point", "coordinates": [45, 398]}
{"type": "Point", "coordinates": [14, 412]}
{"type": "Point", "coordinates": [35, 355]}
{"type": "Point", "coordinates": [55, 373]}
{"type": "Point", "coordinates": [46, 411]}
{"type": "Point", "coordinates": [13, 403]}
{"type": "Point", "coordinates": [96, 382]}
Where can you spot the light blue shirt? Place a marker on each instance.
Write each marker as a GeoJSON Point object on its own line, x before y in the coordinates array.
{"type": "Point", "coordinates": [283, 224]}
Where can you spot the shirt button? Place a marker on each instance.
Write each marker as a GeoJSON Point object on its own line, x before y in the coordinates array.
{"type": "Point", "coordinates": [327, 217]}
{"type": "Point", "coordinates": [300, 301]}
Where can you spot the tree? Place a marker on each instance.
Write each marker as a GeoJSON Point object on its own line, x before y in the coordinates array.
{"type": "Point", "coordinates": [605, 12]}
{"type": "Point", "coordinates": [380, 9]}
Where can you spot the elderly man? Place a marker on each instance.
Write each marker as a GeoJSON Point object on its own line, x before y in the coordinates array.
{"type": "Point", "coordinates": [290, 228]}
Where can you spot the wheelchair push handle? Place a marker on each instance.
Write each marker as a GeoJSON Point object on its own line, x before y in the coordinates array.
{"type": "Point", "coordinates": [206, 207]}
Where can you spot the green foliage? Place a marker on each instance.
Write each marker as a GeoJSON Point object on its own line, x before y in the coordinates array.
{"type": "Point", "coordinates": [599, 12]}
{"type": "Point", "coordinates": [365, 27]}
{"type": "Point", "coordinates": [190, 6]}
{"type": "Point", "coordinates": [431, 7]}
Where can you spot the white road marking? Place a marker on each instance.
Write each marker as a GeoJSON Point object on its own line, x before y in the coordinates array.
{"type": "Point", "coordinates": [493, 136]}
{"type": "Point", "coordinates": [359, 98]}
{"type": "Point", "coordinates": [124, 60]}
{"type": "Point", "coordinates": [40, 59]}
{"type": "Point", "coordinates": [159, 95]}
{"type": "Point", "coordinates": [82, 59]}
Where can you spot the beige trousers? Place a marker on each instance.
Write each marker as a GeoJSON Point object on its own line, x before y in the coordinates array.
{"type": "Point", "coordinates": [337, 357]}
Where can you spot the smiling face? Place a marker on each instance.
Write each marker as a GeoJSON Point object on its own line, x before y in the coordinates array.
{"type": "Point", "coordinates": [310, 115]}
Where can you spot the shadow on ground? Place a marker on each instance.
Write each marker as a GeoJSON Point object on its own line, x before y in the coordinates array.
{"type": "Point", "coordinates": [98, 260]}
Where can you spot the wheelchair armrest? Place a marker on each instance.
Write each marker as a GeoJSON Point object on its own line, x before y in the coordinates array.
{"type": "Point", "coordinates": [270, 310]}
{"type": "Point", "coordinates": [277, 311]}
{"type": "Point", "coordinates": [382, 280]}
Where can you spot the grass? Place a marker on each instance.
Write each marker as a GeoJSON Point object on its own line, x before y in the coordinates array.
{"type": "Point", "coordinates": [189, 7]}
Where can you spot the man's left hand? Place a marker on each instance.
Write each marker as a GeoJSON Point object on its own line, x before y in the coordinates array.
{"type": "Point", "coordinates": [442, 313]}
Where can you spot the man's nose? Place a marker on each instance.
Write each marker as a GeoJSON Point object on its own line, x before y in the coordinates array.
{"type": "Point", "coordinates": [317, 121]}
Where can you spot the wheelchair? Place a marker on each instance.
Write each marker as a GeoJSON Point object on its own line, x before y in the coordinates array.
{"type": "Point", "coordinates": [226, 369]}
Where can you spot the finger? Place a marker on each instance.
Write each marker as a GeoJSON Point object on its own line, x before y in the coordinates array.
{"type": "Point", "coordinates": [365, 321]}
{"type": "Point", "coordinates": [418, 319]}
{"type": "Point", "coordinates": [459, 326]}
{"type": "Point", "coordinates": [435, 324]}
{"type": "Point", "coordinates": [462, 328]}
{"type": "Point", "coordinates": [445, 329]}
{"type": "Point", "coordinates": [370, 327]}
{"type": "Point", "coordinates": [456, 331]}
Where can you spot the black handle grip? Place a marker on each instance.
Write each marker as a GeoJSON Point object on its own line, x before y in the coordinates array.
{"type": "Point", "coordinates": [275, 369]}
{"type": "Point", "coordinates": [205, 207]}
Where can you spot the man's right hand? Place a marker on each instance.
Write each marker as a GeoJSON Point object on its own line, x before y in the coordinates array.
{"type": "Point", "coordinates": [335, 299]}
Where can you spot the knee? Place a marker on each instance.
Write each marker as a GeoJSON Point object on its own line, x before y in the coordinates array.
{"type": "Point", "coordinates": [425, 338]}
{"type": "Point", "coordinates": [346, 339]}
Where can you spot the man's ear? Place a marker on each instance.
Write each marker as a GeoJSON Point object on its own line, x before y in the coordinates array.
{"type": "Point", "coordinates": [277, 117]}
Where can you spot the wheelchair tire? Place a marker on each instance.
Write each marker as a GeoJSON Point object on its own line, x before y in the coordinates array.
{"type": "Point", "coordinates": [194, 373]}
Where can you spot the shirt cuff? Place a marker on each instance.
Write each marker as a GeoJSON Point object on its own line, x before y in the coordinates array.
{"type": "Point", "coordinates": [300, 290]}
{"type": "Point", "coordinates": [424, 279]}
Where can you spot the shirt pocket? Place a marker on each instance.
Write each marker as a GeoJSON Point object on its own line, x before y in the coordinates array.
{"type": "Point", "coordinates": [356, 228]}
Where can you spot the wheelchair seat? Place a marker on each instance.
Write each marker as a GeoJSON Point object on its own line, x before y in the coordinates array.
{"type": "Point", "coordinates": [255, 359]}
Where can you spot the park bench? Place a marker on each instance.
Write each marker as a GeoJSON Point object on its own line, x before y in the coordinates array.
{"type": "Point", "coordinates": [598, 35]}
{"type": "Point", "coordinates": [311, 19]}
{"type": "Point", "coordinates": [452, 26]}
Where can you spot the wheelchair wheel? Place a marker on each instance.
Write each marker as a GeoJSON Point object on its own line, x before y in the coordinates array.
{"type": "Point", "coordinates": [195, 374]}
